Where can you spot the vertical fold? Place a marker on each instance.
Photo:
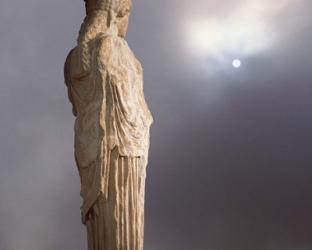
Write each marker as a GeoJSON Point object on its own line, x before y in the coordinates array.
{"type": "Point", "coordinates": [128, 169]}
{"type": "Point", "coordinates": [117, 223]}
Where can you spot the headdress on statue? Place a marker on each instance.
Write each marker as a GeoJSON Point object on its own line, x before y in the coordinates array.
{"type": "Point", "coordinates": [120, 7]}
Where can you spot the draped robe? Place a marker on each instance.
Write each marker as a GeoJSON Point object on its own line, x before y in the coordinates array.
{"type": "Point", "coordinates": [111, 141]}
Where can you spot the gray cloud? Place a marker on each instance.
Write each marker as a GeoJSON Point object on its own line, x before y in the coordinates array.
{"type": "Point", "coordinates": [230, 155]}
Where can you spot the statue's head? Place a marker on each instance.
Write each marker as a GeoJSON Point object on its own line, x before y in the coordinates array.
{"type": "Point", "coordinates": [118, 12]}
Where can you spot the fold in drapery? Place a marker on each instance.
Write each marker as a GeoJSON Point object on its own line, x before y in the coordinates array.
{"type": "Point", "coordinates": [118, 222]}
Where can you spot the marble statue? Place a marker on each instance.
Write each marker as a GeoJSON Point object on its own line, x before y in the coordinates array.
{"type": "Point", "coordinates": [105, 87]}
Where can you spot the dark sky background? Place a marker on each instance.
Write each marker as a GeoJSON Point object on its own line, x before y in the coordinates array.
{"type": "Point", "coordinates": [230, 159]}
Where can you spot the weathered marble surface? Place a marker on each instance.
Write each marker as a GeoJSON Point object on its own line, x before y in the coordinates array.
{"type": "Point", "coordinates": [105, 87]}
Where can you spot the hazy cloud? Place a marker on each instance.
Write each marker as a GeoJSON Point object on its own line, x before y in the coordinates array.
{"type": "Point", "coordinates": [230, 160]}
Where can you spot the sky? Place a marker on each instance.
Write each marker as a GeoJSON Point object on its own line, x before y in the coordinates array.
{"type": "Point", "coordinates": [230, 158]}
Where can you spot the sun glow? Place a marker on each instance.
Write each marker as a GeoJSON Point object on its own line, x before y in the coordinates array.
{"type": "Point", "coordinates": [245, 31]}
{"type": "Point", "coordinates": [217, 38]}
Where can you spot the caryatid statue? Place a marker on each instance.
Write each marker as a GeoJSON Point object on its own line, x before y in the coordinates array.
{"type": "Point", "coordinates": [105, 87]}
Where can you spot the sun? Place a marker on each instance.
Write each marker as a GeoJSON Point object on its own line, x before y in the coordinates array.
{"type": "Point", "coordinates": [236, 63]}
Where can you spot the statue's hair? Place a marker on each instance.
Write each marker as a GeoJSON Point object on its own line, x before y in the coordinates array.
{"type": "Point", "coordinates": [120, 7]}
{"type": "Point", "coordinates": [97, 10]}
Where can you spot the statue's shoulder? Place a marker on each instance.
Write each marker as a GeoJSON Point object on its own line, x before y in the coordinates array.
{"type": "Point", "coordinates": [72, 55]}
{"type": "Point", "coordinates": [68, 67]}
{"type": "Point", "coordinates": [111, 48]}
{"type": "Point", "coordinates": [73, 67]}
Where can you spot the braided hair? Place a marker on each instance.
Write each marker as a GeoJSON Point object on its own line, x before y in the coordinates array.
{"type": "Point", "coordinates": [98, 11]}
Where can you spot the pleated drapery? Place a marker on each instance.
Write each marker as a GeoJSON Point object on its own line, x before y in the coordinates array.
{"type": "Point", "coordinates": [117, 223]}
